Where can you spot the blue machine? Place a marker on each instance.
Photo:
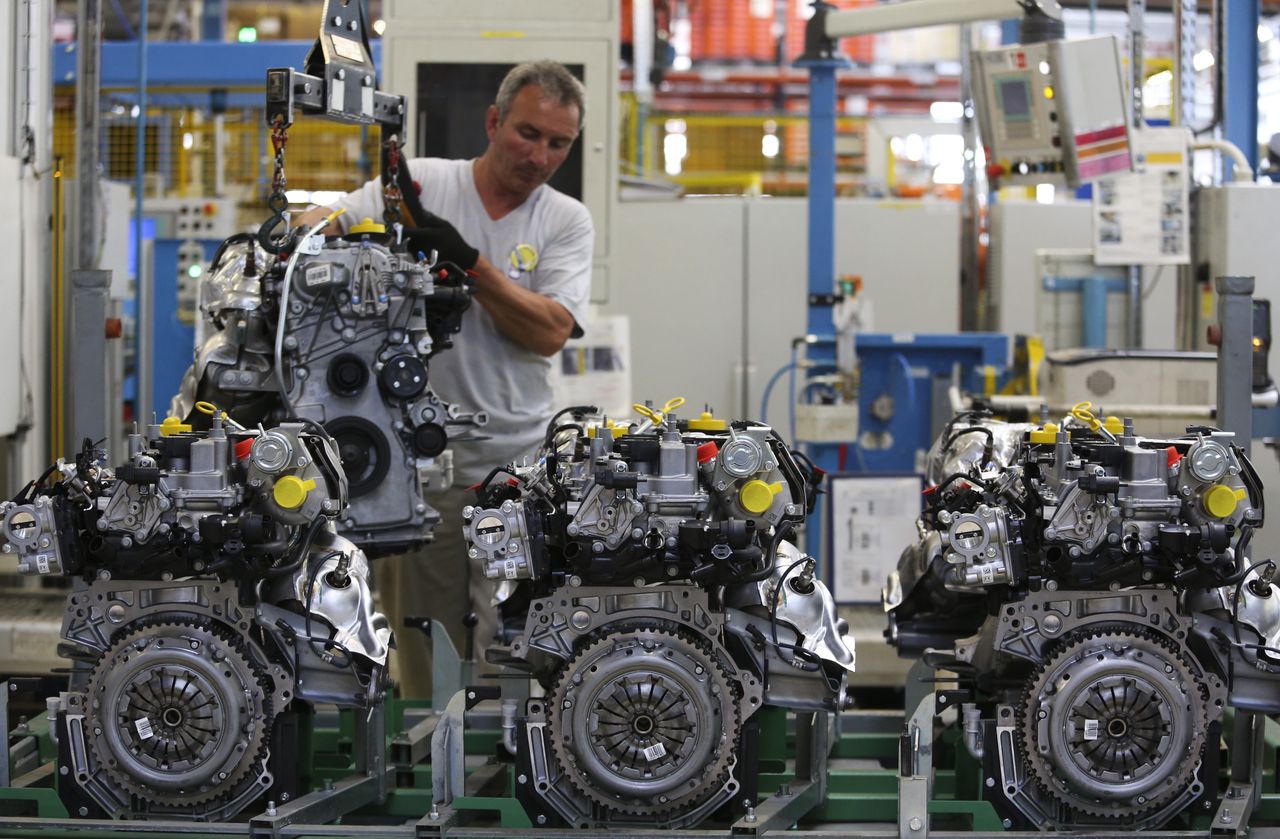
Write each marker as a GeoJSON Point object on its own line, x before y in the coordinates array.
{"type": "Point", "coordinates": [901, 377]}
{"type": "Point", "coordinates": [898, 373]}
{"type": "Point", "coordinates": [169, 329]}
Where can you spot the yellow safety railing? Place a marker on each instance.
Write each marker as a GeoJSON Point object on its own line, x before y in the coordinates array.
{"type": "Point", "coordinates": [765, 153]}
{"type": "Point", "coordinates": [190, 153]}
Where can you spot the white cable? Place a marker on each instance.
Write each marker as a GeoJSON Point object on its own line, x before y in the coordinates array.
{"type": "Point", "coordinates": [284, 310]}
{"type": "Point", "coordinates": [1231, 150]}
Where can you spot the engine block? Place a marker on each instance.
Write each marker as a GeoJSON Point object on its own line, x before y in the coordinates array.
{"type": "Point", "coordinates": [649, 583]}
{"type": "Point", "coordinates": [1093, 590]}
{"type": "Point", "coordinates": [210, 594]}
{"type": "Point", "coordinates": [341, 333]}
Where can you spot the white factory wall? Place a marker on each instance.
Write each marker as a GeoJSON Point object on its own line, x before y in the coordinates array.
{"type": "Point", "coordinates": [678, 274]}
{"type": "Point", "coordinates": [716, 288]}
{"type": "Point", "coordinates": [25, 104]}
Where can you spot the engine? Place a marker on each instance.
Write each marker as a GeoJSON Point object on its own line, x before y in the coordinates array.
{"type": "Point", "coordinates": [650, 585]}
{"type": "Point", "coordinates": [212, 603]}
{"type": "Point", "coordinates": [341, 333]}
{"type": "Point", "coordinates": [1093, 592]}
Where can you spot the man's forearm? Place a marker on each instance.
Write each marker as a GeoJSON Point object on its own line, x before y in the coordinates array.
{"type": "Point", "coordinates": [526, 317]}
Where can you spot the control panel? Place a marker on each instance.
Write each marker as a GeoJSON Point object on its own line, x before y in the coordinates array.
{"type": "Point", "coordinates": [1053, 112]}
{"type": "Point", "coordinates": [200, 217]}
{"type": "Point", "coordinates": [194, 224]}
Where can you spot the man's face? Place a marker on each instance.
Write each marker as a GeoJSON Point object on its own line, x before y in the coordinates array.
{"type": "Point", "coordinates": [530, 144]}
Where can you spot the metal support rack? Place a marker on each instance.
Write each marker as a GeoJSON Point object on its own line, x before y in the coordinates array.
{"type": "Point", "coordinates": [820, 772]}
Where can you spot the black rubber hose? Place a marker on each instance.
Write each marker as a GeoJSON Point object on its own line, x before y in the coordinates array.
{"type": "Point", "coordinates": [784, 531]}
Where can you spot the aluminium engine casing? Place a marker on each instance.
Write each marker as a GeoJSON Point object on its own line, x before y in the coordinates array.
{"type": "Point", "coordinates": [353, 323]}
{"type": "Point", "coordinates": [210, 595]}
{"type": "Point", "coordinates": [649, 584]}
{"type": "Point", "coordinates": [1093, 592]}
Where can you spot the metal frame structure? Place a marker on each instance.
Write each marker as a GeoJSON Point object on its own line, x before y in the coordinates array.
{"type": "Point", "coordinates": [380, 786]}
{"type": "Point", "coordinates": [377, 785]}
{"type": "Point", "coordinates": [192, 66]}
{"type": "Point", "coordinates": [862, 798]}
{"type": "Point", "coordinates": [822, 59]}
{"type": "Point", "coordinates": [369, 784]}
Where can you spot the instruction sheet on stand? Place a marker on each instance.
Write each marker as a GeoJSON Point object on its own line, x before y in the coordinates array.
{"type": "Point", "coordinates": [1141, 218]}
{"type": "Point", "coordinates": [872, 518]}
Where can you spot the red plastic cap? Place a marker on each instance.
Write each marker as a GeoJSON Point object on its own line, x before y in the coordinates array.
{"type": "Point", "coordinates": [243, 447]}
{"type": "Point", "coordinates": [1174, 456]}
{"type": "Point", "coordinates": [708, 451]}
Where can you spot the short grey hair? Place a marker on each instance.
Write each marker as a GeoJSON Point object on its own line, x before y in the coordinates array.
{"type": "Point", "coordinates": [555, 80]}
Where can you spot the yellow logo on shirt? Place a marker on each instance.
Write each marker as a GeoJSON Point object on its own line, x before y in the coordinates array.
{"type": "Point", "coordinates": [523, 259]}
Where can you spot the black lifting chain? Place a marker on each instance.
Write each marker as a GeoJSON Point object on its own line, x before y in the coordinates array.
{"type": "Point", "coordinates": [277, 202]}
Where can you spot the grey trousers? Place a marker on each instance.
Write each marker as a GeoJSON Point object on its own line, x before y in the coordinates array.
{"type": "Point", "coordinates": [437, 581]}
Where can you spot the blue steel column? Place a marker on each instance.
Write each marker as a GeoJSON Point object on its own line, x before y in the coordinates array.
{"type": "Point", "coordinates": [1093, 295]}
{"type": "Point", "coordinates": [822, 190]}
{"type": "Point", "coordinates": [822, 59]}
{"type": "Point", "coordinates": [821, 350]}
{"type": "Point", "coordinates": [1240, 80]}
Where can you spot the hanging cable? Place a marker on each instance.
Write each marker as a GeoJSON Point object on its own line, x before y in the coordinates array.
{"type": "Point", "coordinates": [284, 307]}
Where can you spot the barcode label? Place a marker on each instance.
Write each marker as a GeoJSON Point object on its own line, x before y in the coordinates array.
{"type": "Point", "coordinates": [317, 275]}
{"type": "Point", "coordinates": [1091, 729]}
{"type": "Point", "coordinates": [655, 752]}
{"type": "Point", "coordinates": [42, 564]}
{"type": "Point", "coordinates": [144, 728]}
{"type": "Point", "coordinates": [511, 568]}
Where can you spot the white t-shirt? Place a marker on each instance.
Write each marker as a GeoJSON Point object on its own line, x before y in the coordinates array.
{"type": "Point", "coordinates": [485, 370]}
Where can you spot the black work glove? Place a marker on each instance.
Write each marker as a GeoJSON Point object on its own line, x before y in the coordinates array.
{"type": "Point", "coordinates": [442, 237]}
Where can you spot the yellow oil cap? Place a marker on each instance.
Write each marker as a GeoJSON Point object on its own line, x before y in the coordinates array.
{"type": "Point", "coordinates": [1114, 424]}
{"type": "Point", "coordinates": [173, 425]}
{"type": "Point", "coordinates": [707, 422]}
{"type": "Point", "coordinates": [367, 225]}
{"type": "Point", "coordinates": [1221, 501]}
{"type": "Point", "coordinates": [1048, 434]}
{"type": "Point", "coordinates": [291, 492]}
{"type": "Point", "coordinates": [756, 496]}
